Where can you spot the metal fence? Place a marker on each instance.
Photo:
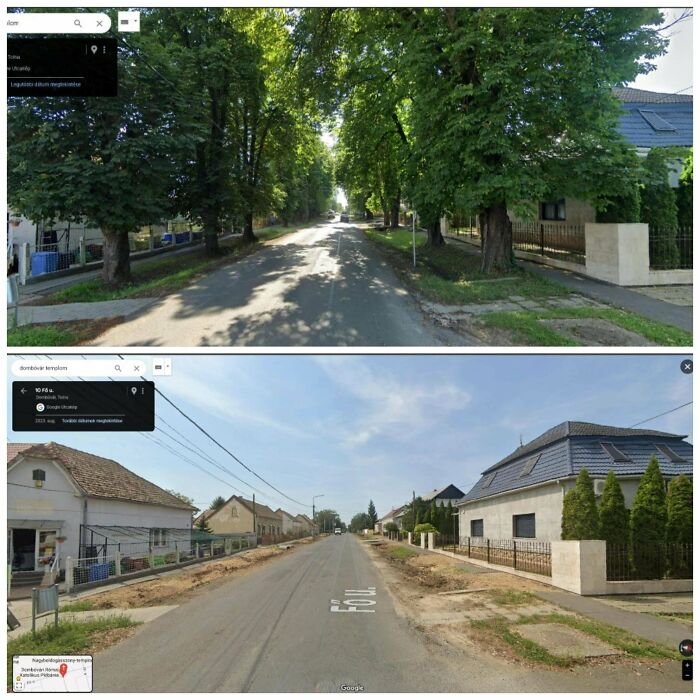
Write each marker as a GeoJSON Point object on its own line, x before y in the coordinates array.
{"type": "Point", "coordinates": [78, 252]}
{"type": "Point", "coordinates": [110, 561]}
{"type": "Point", "coordinates": [555, 240]}
{"type": "Point", "coordinates": [649, 561]}
{"type": "Point", "coordinates": [671, 250]}
{"type": "Point", "coordinates": [522, 555]}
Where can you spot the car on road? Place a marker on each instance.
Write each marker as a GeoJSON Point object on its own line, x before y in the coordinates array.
{"type": "Point", "coordinates": [331, 214]}
{"type": "Point", "coordinates": [338, 531]}
{"type": "Point", "coordinates": [345, 218]}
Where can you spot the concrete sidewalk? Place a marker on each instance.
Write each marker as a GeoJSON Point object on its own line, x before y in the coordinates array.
{"type": "Point", "coordinates": [621, 297]}
{"type": "Point", "coordinates": [82, 311]}
{"type": "Point", "coordinates": [649, 627]}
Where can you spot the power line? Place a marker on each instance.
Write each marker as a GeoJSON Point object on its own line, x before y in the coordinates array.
{"type": "Point", "coordinates": [226, 450]}
{"type": "Point", "coordinates": [665, 413]}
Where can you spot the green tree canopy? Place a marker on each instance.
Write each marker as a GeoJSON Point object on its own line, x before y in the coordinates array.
{"type": "Point", "coordinates": [580, 519]}
{"type": "Point", "coordinates": [679, 527]}
{"type": "Point", "coordinates": [372, 513]}
{"type": "Point", "coordinates": [614, 518]}
{"type": "Point", "coordinates": [217, 503]}
{"type": "Point", "coordinates": [648, 515]}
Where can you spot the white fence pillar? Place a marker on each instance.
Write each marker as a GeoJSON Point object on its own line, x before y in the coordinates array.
{"type": "Point", "coordinates": [579, 566]}
{"type": "Point", "coordinates": [23, 263]}
{"type": "Point", "coordinates": [117, 563]}
{"type": "Point", "coordinates": [82, 252]}
{"type": "Point", "coordinates": [618, 253]}
{"type": "Point", "coordinates": [431, 540]}
{"type": "Point", "coordinates": [422, 540]}
{"type": "Point", "coordinates": [177, 554]}
{"type": "Point", "coordinates": [70, 564]}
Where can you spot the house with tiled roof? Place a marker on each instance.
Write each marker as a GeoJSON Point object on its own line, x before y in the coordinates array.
{"type": "Point", "coordinates": [444, 495]}
{"type": "Point", "coordinates": [521, 496]}
{"type": "Point", "coordinates": [63, 502]}
{"type": "Point", "coordinates": [240, 515]}
{"type": "Point", "coordinates": [647, 120]}
{"type": "Point", "coordinates": [393, 516]}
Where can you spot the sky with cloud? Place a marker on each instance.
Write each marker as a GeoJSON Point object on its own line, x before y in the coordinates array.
{"type": "Point", "coordinates": [355, 427]}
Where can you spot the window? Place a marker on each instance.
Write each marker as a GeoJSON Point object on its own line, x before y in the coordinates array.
{"type": "Point", "coordinates": [524, 525]}
{"type": "Point", "coordinates": [159, 537]}
{"type": "Point", "coordinates": [38, 475]}
{"type": "Point", "coordinates": [476, 528]}
{"type": "Point", "coordinates": [673, 456]}
{"type": "Point", "coordinates": [488, 481]}
{"type": "Point", "coordinates": [553, 211]}
{"type": "Point", "coordinates": [530, 464]}
{"type": "Point", "coordinates": [614, 453]}
{"type": "Point", "coordinates": [655, 121]}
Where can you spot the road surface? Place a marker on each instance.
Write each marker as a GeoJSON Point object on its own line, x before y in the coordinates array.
{"type": "Point", "coordinates": [273, 630]}
{"type": "Point", "coordinates": [321, 286]}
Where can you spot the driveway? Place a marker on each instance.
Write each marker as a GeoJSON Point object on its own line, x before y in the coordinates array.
{"type": "Point", "coordinates": [274, 630]}
{"type": "Point", "coordinates": [321, 286]}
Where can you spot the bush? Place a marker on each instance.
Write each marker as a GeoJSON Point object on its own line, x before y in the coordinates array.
{"type": "Point", "coordinates": [614, 518]}
{"type": "Point", "coordinates": [648, 519]}
{"type": "Point", "coordinates": [680, 510]}
{"type": "Point", "coordinates": [391, 527]}
{"type": "Point", "coordinates": [621, 209]}
{"type": "Point", "coordinates": [579, 519]}
{"type": "Point", "coordinates": [424, 527]}
{"type": "Point", "coordinates": [659, 209]}
{"type": "Point", "coordinates": [684, 193]}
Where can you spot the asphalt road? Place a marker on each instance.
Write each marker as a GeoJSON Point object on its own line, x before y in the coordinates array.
{"type": "Point", "coordinates": [273, 630]}
{"type": "Point", "coordinates": [321, 286]}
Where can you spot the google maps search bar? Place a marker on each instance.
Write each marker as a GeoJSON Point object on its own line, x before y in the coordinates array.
{"type": "Point", "coordinates": [78, 368]}
{"type": "Point", "coordinates": [57, 23]}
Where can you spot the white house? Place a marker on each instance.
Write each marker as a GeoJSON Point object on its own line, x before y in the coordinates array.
{"type": "Point", "coordinates": [521, 496]}
{"type": "Point", "coordinates": [444, 495]}
{"type": "Point", "coordinates": [393, 516]}
{"type": "Point", "coordinates": [65, 502]}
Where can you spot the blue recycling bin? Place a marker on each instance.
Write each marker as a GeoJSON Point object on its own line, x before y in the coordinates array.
{"type": "Point", "coordinates": [98, 572]}
{"type": "Point", "coordinates": [42, 263]}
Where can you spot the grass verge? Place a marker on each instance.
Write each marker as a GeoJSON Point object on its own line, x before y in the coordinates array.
{"type": "Point", "coordinates": [401, 552]}
{"type": "Point", "coordinates": [68, 638]}
{"type": "Point", "coordinates": [626, 642]}
{"type": "Point", "coordinates": [451, 274]}
{"type": "Point", "coordinates": [77, 606]}
{"type": "Point", "coordinates": [511, 597]}
{"type": "Point", "coordinates": [526, 329]}
{"type": "Point", "coordinates": [59, 334]}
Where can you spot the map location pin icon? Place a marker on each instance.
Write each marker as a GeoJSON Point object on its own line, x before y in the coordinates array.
{"type": "Point", "coordinates": [62, 669]}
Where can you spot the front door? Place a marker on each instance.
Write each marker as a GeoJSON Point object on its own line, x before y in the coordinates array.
{"type": "Point", "coordinates": [23, 549]}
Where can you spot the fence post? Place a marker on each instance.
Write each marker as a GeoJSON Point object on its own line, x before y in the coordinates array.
{"type": "Point", "coordinates": [177, 554]}
{"type": "Point", "coordinates": [117, 563]}
{"type": "Point", "coordinates": [469, 547]}
{"type": "Point", "coordinates": [82, 252]}
{"type": "Point", "coordinates": [69, 574]}
{"type": "Point", "coordinates": [515, 556]}
{"type": "Point", "coordinates": [541, 239]}
{"type": "Point", "coordinates": [488, 551]}
{"type": "Point", "coordinates": [150, 556]}
{"type": "Point", "coordinates": [431, 540]}
{"type": "Point", "coordinates": [151, 241]}
{"type": "Point", "coordinates": [23, 263]}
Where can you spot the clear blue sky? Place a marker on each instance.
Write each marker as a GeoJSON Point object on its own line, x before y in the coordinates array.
{"type": "Point", "coordinates": [360, 427]}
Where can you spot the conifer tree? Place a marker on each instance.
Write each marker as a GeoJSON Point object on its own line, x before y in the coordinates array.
{"type": "Point", "coordinates": [614, 518]}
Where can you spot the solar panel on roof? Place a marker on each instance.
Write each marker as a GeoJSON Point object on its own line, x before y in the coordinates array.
{"type": "Point", "coordinates": [614, 453]}
{"type": "Point", "coordinates": [655, 121]}
{"type": "Point", "coordinates": [488, 481]}
{"type": "Point", "coordinates": [673, 456]}
{"type": "Point", "coordinates": [530, 464]}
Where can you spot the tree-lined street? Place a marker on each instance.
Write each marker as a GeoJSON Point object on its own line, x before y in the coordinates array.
{"type": "Point", "coordinates": [323, 285]}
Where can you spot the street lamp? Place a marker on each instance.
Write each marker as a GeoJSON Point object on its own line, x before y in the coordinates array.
{"type": "Point", "coordinates": [313, 507]}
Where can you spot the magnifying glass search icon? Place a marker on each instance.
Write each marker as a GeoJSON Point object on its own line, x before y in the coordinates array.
{"type": "Point", "coordinates": [117, 368]}
{"type": "Point", "coordinates": [76, 22]}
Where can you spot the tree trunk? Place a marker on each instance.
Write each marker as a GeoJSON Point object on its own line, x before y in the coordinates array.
{"type": "Point", "coordinates": [248, 234]}
{"type": "Point", "coordinates": [395, 207]}
{"type": "Point", "coordinates": [211, 239]}
{"type": "Point", "coordinates": [496, 239]}
{"type": "Point", "coordinates": [116, 271]}
{"type": "Point", "coordinates": [386, 214]}
{"type": "Point", "coordinates": [435, 238]}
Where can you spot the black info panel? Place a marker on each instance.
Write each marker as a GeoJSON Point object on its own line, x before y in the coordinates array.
{"type": "Point", "coordinates": [83, 406]}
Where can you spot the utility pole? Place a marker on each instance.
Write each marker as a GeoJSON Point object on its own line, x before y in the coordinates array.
{"type": "Point", "coordinates": [255, 529]}
{"type": "Point", "coordinates": [313, 510]}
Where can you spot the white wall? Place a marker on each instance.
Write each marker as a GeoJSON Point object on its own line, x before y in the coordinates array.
{"type": "Point", "coordinates": [497, 513]}
{"type": "Point", "coordinates": [59, 499]}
